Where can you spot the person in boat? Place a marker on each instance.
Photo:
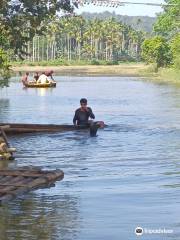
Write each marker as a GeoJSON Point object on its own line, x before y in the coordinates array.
{"type": "Point", "coordinates": [43, 78]}
{"type": "Point", "coordinates": [25, 78]}
{"type": "Point", "coordinates": [36, 76]}
{"type": "Point", "coordinates": [49, 74]}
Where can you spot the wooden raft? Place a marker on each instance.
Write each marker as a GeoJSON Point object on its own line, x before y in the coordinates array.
{"type": "Point", "coordinates": [15, 182]}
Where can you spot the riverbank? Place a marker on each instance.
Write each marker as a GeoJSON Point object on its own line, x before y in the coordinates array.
{"type": "Point", "coordinates": [124, 69]}
{"type": "Point", "coordinates": [165, 75]}
{"type": "Point", "coordinates": [169, 75]}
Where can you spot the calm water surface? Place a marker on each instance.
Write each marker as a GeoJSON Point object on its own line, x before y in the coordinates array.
{"type": "Point", "coordinates": [126, 177]}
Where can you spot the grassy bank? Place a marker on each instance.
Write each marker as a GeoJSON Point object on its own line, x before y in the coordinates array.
{"type": "Point", "coordinates": [64, 62]}
{"type": "Point", "coordinates": [166, 75]}
{"type": "Point", "coordinates": [169, 75]}
{"type": "Point", "coordinates": [131, 69]}
{"type": "Point", "coordinates": [123, 69]}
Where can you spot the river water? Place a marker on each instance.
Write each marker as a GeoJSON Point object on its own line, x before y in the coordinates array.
{"type": "Point", "coordinates": [126, 177]}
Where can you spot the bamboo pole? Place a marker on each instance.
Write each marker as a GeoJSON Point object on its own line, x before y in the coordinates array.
{"type": "Point", "coordinates": [4, 136]}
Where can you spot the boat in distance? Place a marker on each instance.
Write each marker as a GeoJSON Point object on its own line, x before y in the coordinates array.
{"type": "Point", "coordinates": [39, 85]}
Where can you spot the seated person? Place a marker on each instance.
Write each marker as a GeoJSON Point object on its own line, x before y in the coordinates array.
{"type": "Point", "coordinates": [36, 76]}
{"type": "Point", "coordinates": [25, 78]}
{"type": "Point", "coordinates": [82, 114]}
{"type": "Point", "coordinates": [49, 74]}
{"type": "Point", "coordinates": [43, 79]}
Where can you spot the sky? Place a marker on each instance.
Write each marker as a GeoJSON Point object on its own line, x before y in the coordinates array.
{"type": "Point", "coordinates": [131, 10]}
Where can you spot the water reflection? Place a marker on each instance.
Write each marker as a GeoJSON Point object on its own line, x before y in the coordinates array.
{"type": "Point", "coordinates": [41, 92]}
{"type": "Point", "coordinates": [40, 216]}
{"type": "Point", "coordinates": [4, 164]}
{"type": "Point", "coordinates": [4, 108]}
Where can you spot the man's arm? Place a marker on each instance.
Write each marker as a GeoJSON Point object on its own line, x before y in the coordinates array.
{"type": "Point", "coordinates": [75, 118]}
{"type": "Point", "coordinates": [52, 78]}
{"type": "Point", "coordinates": [91, 114]}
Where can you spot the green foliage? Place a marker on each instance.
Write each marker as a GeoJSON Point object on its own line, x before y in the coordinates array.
{"type": "Point", "coordinates": [95, 62]}
{"type": "Point", "coordinates": [168, 23]}
{"type": "Point", "coordinates": [4, 69]}
{"type": "Point", "coordinates": [74, 38]}
{"type": "Point", "coordinates": [168, 26]}
{"type": "Point", "coordinates": [156, 50]}
{"type": "Point", "coordinates": [63, 62]}
{"type": "Point", "coordinates": [175, 48]}
{"type": "Point", "coordinates": [20, 21]}
{"type": "Point", "coordinates": [139, 23]}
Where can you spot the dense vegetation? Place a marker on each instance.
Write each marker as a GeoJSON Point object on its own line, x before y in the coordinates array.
{"type": "Point", "coordinates": [140, 23]}
{"type": "Point", "coordinates": [20, 21]}
{"type": "Point", "coordinates": [74, 38]}
{"type": "Point", "coordinates": [164, 48]}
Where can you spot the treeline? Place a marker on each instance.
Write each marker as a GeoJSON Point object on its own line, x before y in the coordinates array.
{"type": "Point", "coordinates": [20, 21]}
{"type": "Point", "coordinates": [140, 23]}
{"type": "Point", "coordinates": [164, 48]}
{"type": "Point", "coordinates": [74, 38]}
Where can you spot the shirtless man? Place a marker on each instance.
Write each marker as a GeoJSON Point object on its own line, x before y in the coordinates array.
{"type": "Point", "coordinates": [25, 78]}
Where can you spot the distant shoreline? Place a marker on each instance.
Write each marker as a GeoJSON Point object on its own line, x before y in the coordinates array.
{"type": "Point", "coordinates": [140, 70]}
{"type": "Point", "coordinates": [131, 70]}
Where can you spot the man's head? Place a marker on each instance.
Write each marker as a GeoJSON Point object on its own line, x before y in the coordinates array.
{"type": "Point", "coordinates": [83, 102]}
{"type": "Point", "coordinates": [27, 73]}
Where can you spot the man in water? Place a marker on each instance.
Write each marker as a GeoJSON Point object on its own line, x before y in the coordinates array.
{"type": "Point", "coordinates": [82, 114]}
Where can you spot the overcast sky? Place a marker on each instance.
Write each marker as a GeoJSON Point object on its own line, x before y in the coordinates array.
{"type": "Point", "coordinates": [131, 10]}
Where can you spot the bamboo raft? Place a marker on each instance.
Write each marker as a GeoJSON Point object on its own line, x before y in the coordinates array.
{"type": "Point", "coordinates": [17, 128]}
{"type": "Point", "coordinates": [16, 182]}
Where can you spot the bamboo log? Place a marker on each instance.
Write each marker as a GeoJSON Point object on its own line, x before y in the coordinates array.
{"type": "Point", "coordinates": [19, 173]}
{"type": "Point", "coordinates": [36, 183]}
{"type": "Point", "coordinates": [26, 173]}
{"type": "Point", "coordinates": [13, 180]}
{"type": "Point", "coordinates": [11, 150]}
{"type": "Point", "coordinates": [5, 127]}
{"type": "Point", "coordinates": [6, 179]}
{"type": "Point", "coordinates": [13, 185]}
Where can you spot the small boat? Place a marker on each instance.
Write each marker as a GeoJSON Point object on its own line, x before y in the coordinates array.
{"type": "Point", "coordinates": [39, 85]}
{"type": "Point", "coordinates": [19, 128]}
